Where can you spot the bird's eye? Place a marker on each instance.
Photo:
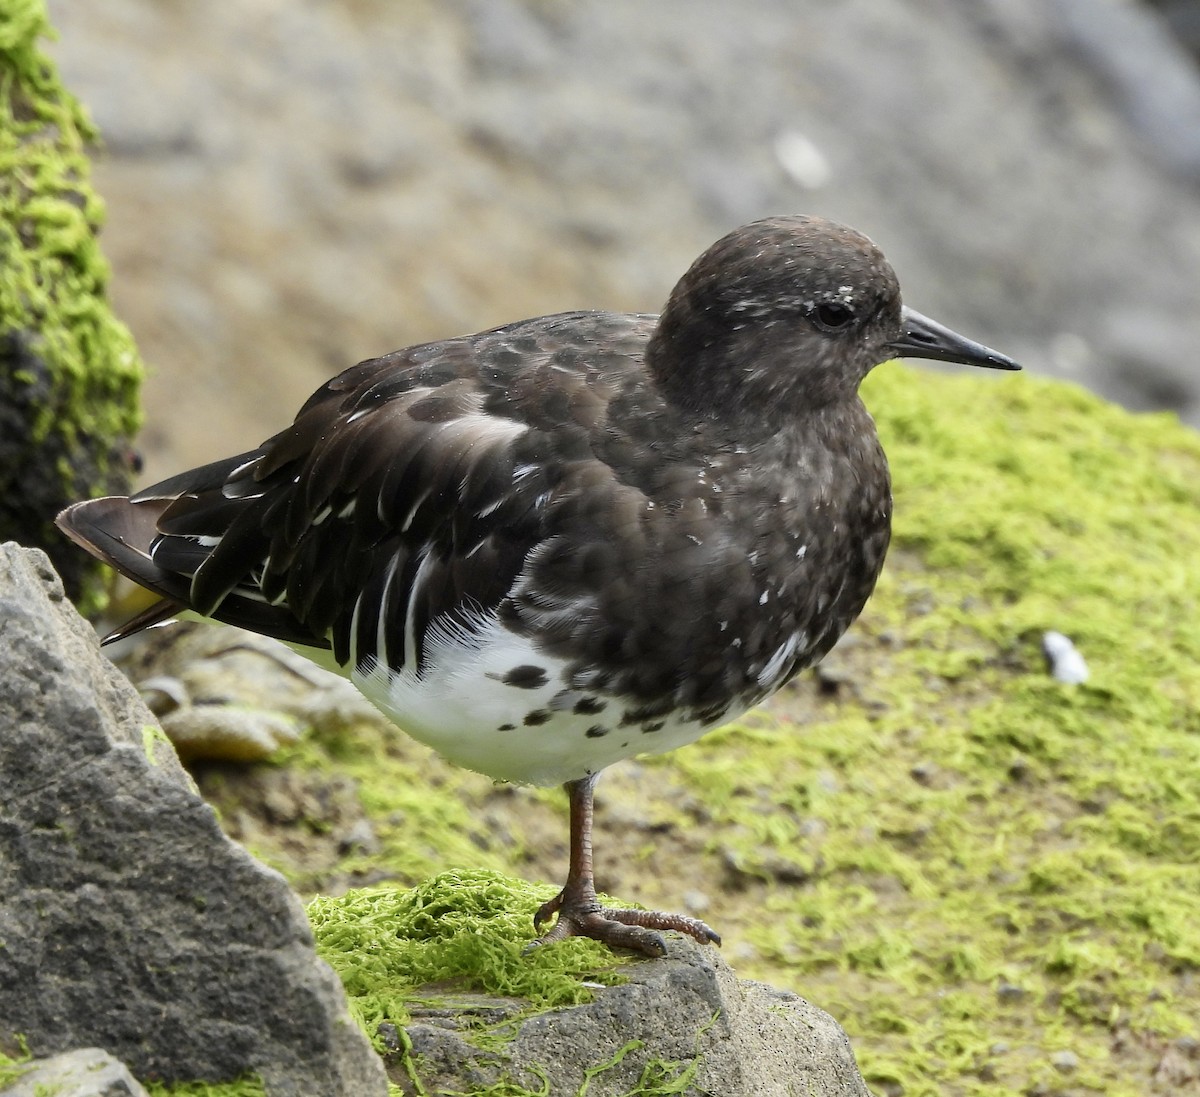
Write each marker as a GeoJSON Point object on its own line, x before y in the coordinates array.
{"type": "Point", "coordinates": [831, 317]}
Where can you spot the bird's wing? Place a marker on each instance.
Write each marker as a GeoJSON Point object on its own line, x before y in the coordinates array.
{"type": "Point", "coordinates": [409, 488]}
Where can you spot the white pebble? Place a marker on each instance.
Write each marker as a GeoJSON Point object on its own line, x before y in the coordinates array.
{"type": "Point", "coordinates": [1066, 664]}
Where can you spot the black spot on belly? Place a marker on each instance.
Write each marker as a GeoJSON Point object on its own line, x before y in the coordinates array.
{"type": "Point", "coordinates": [596, 730]}
{"type": "Point", "coordinates": [589, 706]}
{"type": "Point", "coordinates": [526, 676]}
{"type": "Point", "coordinates": [507, 727]}
{"type": "Point", "coordinates": [537, 716]}
{"type": "Point", "coordinates": [654, 725]}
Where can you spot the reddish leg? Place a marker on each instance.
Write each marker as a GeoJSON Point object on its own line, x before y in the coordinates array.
{"type": "Point", "coordinates": [579, 913]}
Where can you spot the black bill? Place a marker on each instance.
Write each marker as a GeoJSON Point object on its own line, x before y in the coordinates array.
{"type": "Point", "coordinates": [925, 338]}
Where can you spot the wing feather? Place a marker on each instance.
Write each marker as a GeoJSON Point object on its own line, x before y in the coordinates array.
{"type": "Point", "coordinates": [408, 492]}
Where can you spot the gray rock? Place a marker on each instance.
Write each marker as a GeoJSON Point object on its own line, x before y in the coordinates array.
{"type": "Point", "coordinates": [128, 920]}
{"type": "Point", "coordinates": [88, 1072]}
{"type": "Point", "coordinates": [746, 1039]}
{"type": "Point", "coordinates": [1149, 74]}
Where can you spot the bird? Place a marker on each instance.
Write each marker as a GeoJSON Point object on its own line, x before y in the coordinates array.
{"type": "Point", "coordinates": [556, 544]}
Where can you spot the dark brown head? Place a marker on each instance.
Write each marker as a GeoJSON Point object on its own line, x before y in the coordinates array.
{"type": "Point", "coordinates": [788, 314]}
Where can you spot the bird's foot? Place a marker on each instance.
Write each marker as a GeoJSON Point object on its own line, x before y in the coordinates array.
{"type": "Point", "coordinates": [631, 929]}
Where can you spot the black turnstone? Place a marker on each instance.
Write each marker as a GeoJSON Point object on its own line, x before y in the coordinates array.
{"type": "Point", "coordinates": [569, 540]}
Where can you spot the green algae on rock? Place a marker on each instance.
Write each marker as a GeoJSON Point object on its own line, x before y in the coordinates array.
{"type": "Point", "coordinates": [464, 928]}
{"type": "Point", "coordinates": [69, 372]}
{"type": "Point", "coordinates": [459, 931]}
{"type": "Point", "coordinates": [490, 1019]}
{"type": "Point", "coordinates": [245, 1087]}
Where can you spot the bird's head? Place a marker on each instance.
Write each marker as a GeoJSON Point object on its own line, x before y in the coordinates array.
{"type": "Point", "coordinates": [790, 314]}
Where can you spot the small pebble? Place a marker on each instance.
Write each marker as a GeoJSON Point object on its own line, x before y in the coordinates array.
{"type": "Point", "coordinates": [1065, 1062]}
{"type": "Point", "coordinates": [390, 1035]}
{"type": "Point", "coordinates": [696, 902]}
{"type": "Point", "coordinates": [831, 676]}
{"type": "Point", "coordinates": [360, 837]}
{"type": "Point", "coordinates": [827, 781]}
{"type": "Point", "coordinates": [1063, 659]}
{"type": "Point", "coordinates": [923, 772]}
{"type": "Point", "coordinates": [1018, 768]}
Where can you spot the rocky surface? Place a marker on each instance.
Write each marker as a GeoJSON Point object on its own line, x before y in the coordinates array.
{"type": "Point", "coordinates": [304, 185]}
{"type": "Point", "coordinates": [128, 920]}
{"type": "Point", "coordinates": [87, 1072]}
{"type": "Point", "coordinates": [684, 1016]}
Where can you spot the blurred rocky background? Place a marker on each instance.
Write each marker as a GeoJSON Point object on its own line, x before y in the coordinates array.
{"type": "Point", "coordinates": [294, 185]}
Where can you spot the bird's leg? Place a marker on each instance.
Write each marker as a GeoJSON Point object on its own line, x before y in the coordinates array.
{"type": "Point", "coordinates": [579, 912]}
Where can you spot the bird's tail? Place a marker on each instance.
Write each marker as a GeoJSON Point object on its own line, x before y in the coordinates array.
{"type": "Point", "coordinates": [119, 532]}
{"type": "Point", "coordinates": [138, 536]}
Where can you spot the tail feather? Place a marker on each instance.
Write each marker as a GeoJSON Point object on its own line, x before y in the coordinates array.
{"type": "Point", "coordinates": [122, 532]}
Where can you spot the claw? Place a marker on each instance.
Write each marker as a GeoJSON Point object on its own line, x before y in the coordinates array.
{"type": "Point", "coordinates": [580, 915]}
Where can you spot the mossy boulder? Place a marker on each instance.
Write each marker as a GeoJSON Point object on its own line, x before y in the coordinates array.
{"type": "Point", "coordinates": [69, 372]}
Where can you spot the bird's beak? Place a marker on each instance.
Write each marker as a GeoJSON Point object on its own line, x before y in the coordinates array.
{"type": "Point", "coordinates": [925, 338]}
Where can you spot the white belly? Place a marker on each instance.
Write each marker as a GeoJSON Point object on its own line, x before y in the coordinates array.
{"type": "Point", "coordinates": [539, 733]}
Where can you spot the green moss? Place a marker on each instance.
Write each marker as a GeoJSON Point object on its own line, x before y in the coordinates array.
{"type": "Point", "coordinates": [69, 372]}
{"type": "Point", "coordinates": [154, 740]}
{"type": "Point", "coordinates": [461, 931]}
{"type": "Point", "coordinates": [243, 1087]}
{"type": "Point", "coordinates": [13, 1067]}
